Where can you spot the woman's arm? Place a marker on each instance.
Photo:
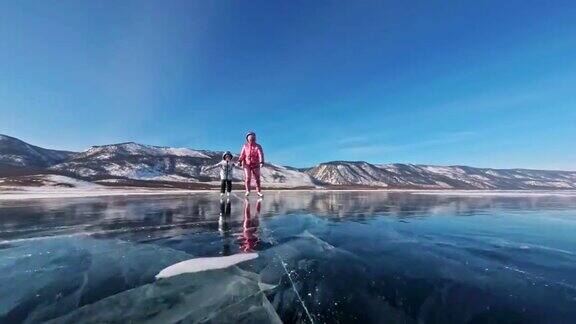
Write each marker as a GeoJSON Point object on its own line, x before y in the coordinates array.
{"type": "Point", "coordinates": [261, 155]}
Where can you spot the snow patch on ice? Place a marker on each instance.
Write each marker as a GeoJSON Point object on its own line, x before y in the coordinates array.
{"type": "Point", "coordinates": [203, 264]}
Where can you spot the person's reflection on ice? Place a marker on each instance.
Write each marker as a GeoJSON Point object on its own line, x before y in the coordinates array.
{"type": "Point", "coordinates": [249, 239]}
{"type": "Point", "coordinates": [224, 226]}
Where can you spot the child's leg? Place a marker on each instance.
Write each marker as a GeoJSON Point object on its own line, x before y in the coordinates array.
{"type": "Point", "coordinates": [222, 186]}
{"type": "Point", "coordinates": [247, 177]}
{"type": "Point", "coordinates": [229, 185]}
{"type": "Point", "coordinates": [256, 172]}
{"type": "Point", "coordinates": [222, 208]}
{"type": "Point", "coordinates": [228, 208]}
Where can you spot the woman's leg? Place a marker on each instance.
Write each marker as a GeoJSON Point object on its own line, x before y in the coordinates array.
{"type": "Point", "coordinates": [229, 185]}
{"type": "Point", "coordinates": [247, 177]}
{"type": "Point", "coordinates": [222, 186]}
{"type": "Point", "coordinates": [256, 172]}
{"type": "Point", "coordinates": [250, 239]}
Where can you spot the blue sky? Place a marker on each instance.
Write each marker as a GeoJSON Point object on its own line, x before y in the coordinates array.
{"type": "Point", "coordinates": [480, 83]}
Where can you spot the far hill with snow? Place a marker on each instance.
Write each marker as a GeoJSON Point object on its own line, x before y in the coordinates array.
{"type": "Point", "coordinates": [153, 166]}
{"type": "Point", "coordinates": [15, 153]}
{"type": "Point", "coordinates": [343, 173]}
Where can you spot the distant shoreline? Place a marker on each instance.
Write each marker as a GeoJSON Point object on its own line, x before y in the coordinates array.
{"type": "Point", "coordinates": [13, 194]}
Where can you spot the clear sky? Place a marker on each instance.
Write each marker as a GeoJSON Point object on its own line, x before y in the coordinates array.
{"type": "Point", "coordinates": [480, 83]}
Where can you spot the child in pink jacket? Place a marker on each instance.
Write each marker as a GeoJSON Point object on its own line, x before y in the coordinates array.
{"type": "Point", "coordinates": [252, 159]}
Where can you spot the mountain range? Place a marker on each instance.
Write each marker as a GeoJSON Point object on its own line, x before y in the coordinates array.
{"type": "Point", "coordinates": [132, 164]}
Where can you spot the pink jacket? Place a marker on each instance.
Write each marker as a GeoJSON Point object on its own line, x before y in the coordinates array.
{"type": "Point", "coordinates": [251, 155]}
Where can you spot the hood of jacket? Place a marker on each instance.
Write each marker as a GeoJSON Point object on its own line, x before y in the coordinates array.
{"type": "Point", "coordinates": [250, 133]}
{"type": "Point", "coordinates": [227, 153]}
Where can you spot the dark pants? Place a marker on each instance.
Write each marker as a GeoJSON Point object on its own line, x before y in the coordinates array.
{"type": "Point", "coordinates": [226, 185]}
{"type": "Point", "coordinates": [225, 209]}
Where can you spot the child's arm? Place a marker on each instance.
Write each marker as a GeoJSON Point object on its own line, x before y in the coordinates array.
{"type": "Point", "coordinates": [213, 166]}
{"type": "Point", "coordinates": [242, 156]}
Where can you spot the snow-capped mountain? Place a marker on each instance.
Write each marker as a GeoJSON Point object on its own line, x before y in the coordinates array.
{"type": "Point", "coordinates": [125, 163]}
{"type": "Point", "coordinates": [349, 173]}
{"type": "Point", "coordinates": [15, 153]}
{"type": "Point", "coordinates": [153, 163]}
{"type": "Point", "coordinates": [135, 161]}
{"type": "Point", "coordinates": [342, 173]}
{"type": "Point", "coordinates": [134, 149]}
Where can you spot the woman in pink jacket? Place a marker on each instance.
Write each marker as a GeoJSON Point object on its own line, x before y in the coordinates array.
{"type": "Point", "coordinates": [252, 159]}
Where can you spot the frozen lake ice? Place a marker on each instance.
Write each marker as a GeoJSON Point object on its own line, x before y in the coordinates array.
{"type": "Point", "coordinates": [294, 257]}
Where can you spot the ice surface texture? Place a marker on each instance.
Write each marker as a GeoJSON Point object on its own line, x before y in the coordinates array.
{"type": "Point", "coordinates": [61, 274]}
{"type": "Point", "coordinates": [216, 296]}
